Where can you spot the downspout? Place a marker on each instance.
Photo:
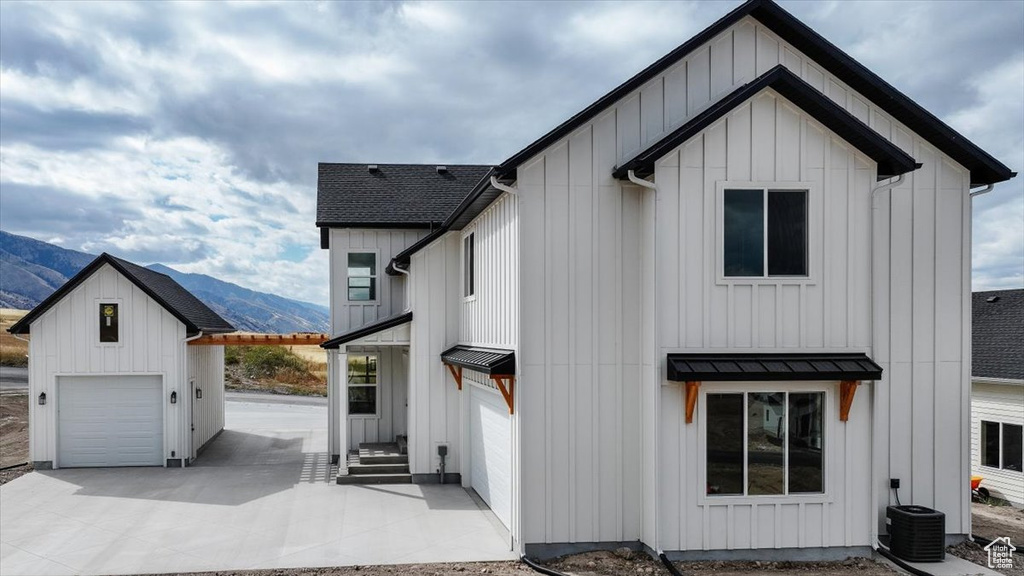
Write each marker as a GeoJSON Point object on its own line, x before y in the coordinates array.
{"type": "Point", "coordinates": [503, 187]}
{"type": "Point", "coordinates": [408, 286]}
{"type": "Point", "coordinates": [984, 190]}
{"type": "Point", "coordinates": [886, 185]}
{"type": "Point", "coordinates": [657, 397]}
{"type": "Point", "coordinates": [181, 382]}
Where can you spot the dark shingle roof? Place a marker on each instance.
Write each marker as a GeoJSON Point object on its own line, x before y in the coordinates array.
{"type": "Point", "coordinates": [998, 334]}
{"type": "Point", "coordinates": [184, 306]}
{"type": "Point", "coordinates": [393, 196]}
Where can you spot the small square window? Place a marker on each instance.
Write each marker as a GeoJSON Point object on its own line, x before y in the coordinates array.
{"type": "Point", "coordinates": [362, 276]}
{"type": "Point", "coordinates": [764, 233]}
{"type": "Point", "coordinates": [108, 322]}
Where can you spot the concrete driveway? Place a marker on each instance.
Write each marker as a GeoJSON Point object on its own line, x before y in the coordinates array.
{"type": "Point", "coordinates": [259, 497]}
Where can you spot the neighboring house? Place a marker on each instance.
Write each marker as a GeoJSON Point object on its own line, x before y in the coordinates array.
{"type": "Point", "coordinates": [997, 393]}
{"type": "Point", "coordinates": [112, 381]}
{"type": "Point", "coordinates": [711, 314]}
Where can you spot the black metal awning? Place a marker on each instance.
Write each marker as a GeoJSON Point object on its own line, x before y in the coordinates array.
{"type": "Point", "coordinates": [490, 361]}
{"type": "Point", "coordinates": [746, 367]}
{"type": "Point", "coordinates": [368, 330]}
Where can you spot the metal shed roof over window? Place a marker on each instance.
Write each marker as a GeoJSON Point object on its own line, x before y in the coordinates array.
{"type": "Point", "coordinates": [491, 361]}
{"type": "Point", "coordinates": [734, 367]}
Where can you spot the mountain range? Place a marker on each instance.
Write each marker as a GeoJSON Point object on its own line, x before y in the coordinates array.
{"type": "Point", "coordinates": [30, 270]}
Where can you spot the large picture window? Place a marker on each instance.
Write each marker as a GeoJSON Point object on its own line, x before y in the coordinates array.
{"type": "Point", "coordinates": [1001, 445]}
{"type": "Point", "coordinates": [764, 233]}
{"type": "Point", "coordinates": [765, 443]}
{"type": "Point", "coordinates": [362, 276]}
{"type": "Point", "coordinates": [362, 384]}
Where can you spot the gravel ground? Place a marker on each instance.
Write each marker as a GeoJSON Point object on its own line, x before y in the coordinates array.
{"type": "Point", "coordinates": [848, 567]}
{"type": "Point", "coordinates": [13, 434]}
{"type": "Point", "coordinates": [491, 568]}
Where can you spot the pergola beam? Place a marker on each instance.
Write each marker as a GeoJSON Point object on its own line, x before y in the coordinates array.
{"type": "Point", "coordinates": [304, 339]}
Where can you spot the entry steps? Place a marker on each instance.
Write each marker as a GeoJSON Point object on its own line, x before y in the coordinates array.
{"type": "Point", "coordinates": [378, 463]}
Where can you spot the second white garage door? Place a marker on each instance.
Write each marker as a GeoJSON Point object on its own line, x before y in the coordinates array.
{"type": "Point", "coordinates": [109, 421]}
{"type": "Point", "coordinates": [490, 458]}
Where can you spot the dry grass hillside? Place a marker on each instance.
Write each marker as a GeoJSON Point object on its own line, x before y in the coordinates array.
{"type": "Point", "coordinates": [13, 352]}
{"type": "Point", "coordinates": [298, 370]}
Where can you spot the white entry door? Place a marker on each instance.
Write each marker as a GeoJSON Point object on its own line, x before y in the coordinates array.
{"type": "Point", "coordinates": [110, 421]}
{"type": "Point", "coordinates": [490, 451]}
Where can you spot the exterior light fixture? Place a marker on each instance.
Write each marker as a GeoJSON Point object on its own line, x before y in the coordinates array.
{"type": "Point", "coordinates": [174, 397]}
{"type": "Point", "coordinates": [199, 393]}
{"type": "Point", "coordinates": [42, 398]}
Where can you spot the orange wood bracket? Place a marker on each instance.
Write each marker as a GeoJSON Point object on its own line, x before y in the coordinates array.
{"type": "Point", "coordinates": [456, 373]}
{"type": "Point", "coordinates": [691, 399]}
{"type": "Point", "coordinates": [847, 388]}
{"type": "Point", "coordinates": [508, 392]}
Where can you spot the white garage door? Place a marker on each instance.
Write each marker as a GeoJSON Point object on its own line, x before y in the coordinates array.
{"type": "Point", "coordinates": [109, 421]}
{"type": "Point", "coordinates": [490, 458]}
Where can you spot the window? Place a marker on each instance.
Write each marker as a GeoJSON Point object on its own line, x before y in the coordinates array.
{"type": "Point", "coordinates": [467, 266]}
{"type": "Point", "coordinates": [362, 276]}
{"type": "Point", "coordinates": [108, 322]}
{"type": "Point", "coordinates": [362, 384]}
{"type": "Point", "coordinates": [764, 230]}
{"type": "Point", "coordinates": [765, 443]}
{"type": "Point", "coordinates": [1001, 445]}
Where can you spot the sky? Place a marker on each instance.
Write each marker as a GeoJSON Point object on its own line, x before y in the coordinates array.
{"type": "Point", "coordinates": [189, 133]}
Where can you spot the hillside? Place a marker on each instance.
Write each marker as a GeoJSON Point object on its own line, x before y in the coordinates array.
{"type": "Point", "coordinates": [30, 270]}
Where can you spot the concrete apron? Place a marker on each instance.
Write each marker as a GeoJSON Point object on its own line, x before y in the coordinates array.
{"type": "Point", "coordinates": [260, 496]}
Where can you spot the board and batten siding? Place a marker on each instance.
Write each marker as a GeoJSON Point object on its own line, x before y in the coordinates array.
{"type": "Point", "coordinates": [64, 341]}
{"type": "Point", "coordinates": [206, 373]}
{"type": "Point", "coordinates": [995, 402]}
{"type": "Point", "coordinates": [769, 141]}
{"type": "Point", "coordinates": [434, 399]}
{"type": "Point", "coordinates": [490, 318]}
{"type": "Point", "coordinates": [391, 298]}
{"type": "Point", "coordinates": [580, 356]}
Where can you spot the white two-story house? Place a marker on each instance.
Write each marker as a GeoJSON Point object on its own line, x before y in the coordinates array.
{"type": "Point", "coordinates": [715, 313]}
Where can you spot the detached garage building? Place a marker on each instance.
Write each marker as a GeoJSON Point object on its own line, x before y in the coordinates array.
{"type": "Point", "coordinates": [112, 380]}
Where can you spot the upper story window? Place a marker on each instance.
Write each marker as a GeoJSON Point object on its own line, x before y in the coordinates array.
{"type": "Point", "coordinates": [108, 322]}
{"type": "Point", "coordinates": [1001, 445]}
{"type": "Point", "coordinates": [764, 233]}
{"type": "Point", "coordinates": [765, 443]}
{"type": "Point", "coordinates": [362, 276]}
{"type": "Point", "coordinates": [468, 276]}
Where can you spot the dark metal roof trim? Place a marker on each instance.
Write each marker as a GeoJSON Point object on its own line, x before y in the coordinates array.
{"type": "Point", "coordinates": [192, 312]}
{"type": "Point", "coordinates": [892, 161]}
{"type": "Point", "coordinates": [490, 361]}
{"type": "Point", "coordinates": [368, 330]}
{"type": "Point", "coordinates": [771, 367]}
{"type": "Point", "coordinates": [984, 168]}
{"type": "Point", "coordinates": [393, 225]}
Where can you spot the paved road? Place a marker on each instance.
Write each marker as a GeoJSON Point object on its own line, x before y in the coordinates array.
{"type": "Point", "coordinates": [13, 378]}
{"type": "Point", "coordinates": [256, 397]}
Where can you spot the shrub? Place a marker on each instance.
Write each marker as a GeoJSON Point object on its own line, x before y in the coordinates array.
{"type": "Point", "coordinates": [232, 355]}
{"type": "Point", "coordinates": [267, 361]}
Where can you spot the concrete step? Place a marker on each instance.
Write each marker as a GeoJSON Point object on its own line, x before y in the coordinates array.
{"type": "Point", "coordinates": [381, 460]}
{"type": "Point", "coordinates": [360, 468]}
{"type": "Point", "coordinates": [375, 479]}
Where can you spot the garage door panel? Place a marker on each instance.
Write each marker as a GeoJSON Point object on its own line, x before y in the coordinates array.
{"type": "Point", "coordinates": [490, 446]}
{"type": "Point", "coordinates": [110, 421]}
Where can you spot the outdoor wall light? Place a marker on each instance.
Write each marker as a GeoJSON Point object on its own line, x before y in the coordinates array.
{"type": "Point", "coordinates": [174, 397]}
{"type": "Point", "coordinates": [42, 398]}
{"type": "Point", "coordinates": [199, 393]}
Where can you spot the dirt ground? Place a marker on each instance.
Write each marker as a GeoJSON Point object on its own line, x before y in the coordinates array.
{"type": "Point", "coordinates": [492, 568]}
{"type": "Point", "coordinates": [13, 434]}
{"type": "Point", "coordinates": [997, 521]}
{"type": "Point", "coordinates": [973, 552]}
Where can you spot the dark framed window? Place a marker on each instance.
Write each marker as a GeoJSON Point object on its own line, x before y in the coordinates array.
{"type": "Point", "coordinates": [764, 233]}
{"type": "Point", "coordinates": [468, 263]}
{"type": "Point", "coordinates": [362, 384]}
{"type": "Point", "coordinates": [765, 443]}
{"type": "Point", "coordinates": [108, 322]}
{"type": "Point", "coordinates": [1002, 446]}
{"type": "Point", "coordinates": [362, 276]}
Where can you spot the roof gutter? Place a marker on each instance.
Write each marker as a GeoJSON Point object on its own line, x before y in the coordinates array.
{"type": "Point", "coordinates": [984, 190]}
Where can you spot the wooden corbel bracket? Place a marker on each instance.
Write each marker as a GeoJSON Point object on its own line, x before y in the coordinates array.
{"type": "Point", "coordinates": [691, 399]}
{"type": "Point", "coordinates": [456, 374]}
{"type": "Point", "coordinates": [847, 389]}
{"type": "Point", "coordinates": [508, 391]}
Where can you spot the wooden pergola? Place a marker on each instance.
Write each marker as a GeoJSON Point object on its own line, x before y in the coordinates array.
{"type": "Point", "coordinates": [236, 339]}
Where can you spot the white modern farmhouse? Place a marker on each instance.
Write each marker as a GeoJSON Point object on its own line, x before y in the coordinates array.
{"type": "Point", "coordinates": [997, 393]}
{"type": "Point", "coordinates": [112, 381]}
{"type": "Point", "coordinates": [712, 314]}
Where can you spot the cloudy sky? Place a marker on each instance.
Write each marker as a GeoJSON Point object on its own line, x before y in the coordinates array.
{"type": "Point", "coordinates": [189, 133]}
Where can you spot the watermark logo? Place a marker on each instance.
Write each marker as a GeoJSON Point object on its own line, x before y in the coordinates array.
{"type": "Point", "coordinates": [1000, 553]}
